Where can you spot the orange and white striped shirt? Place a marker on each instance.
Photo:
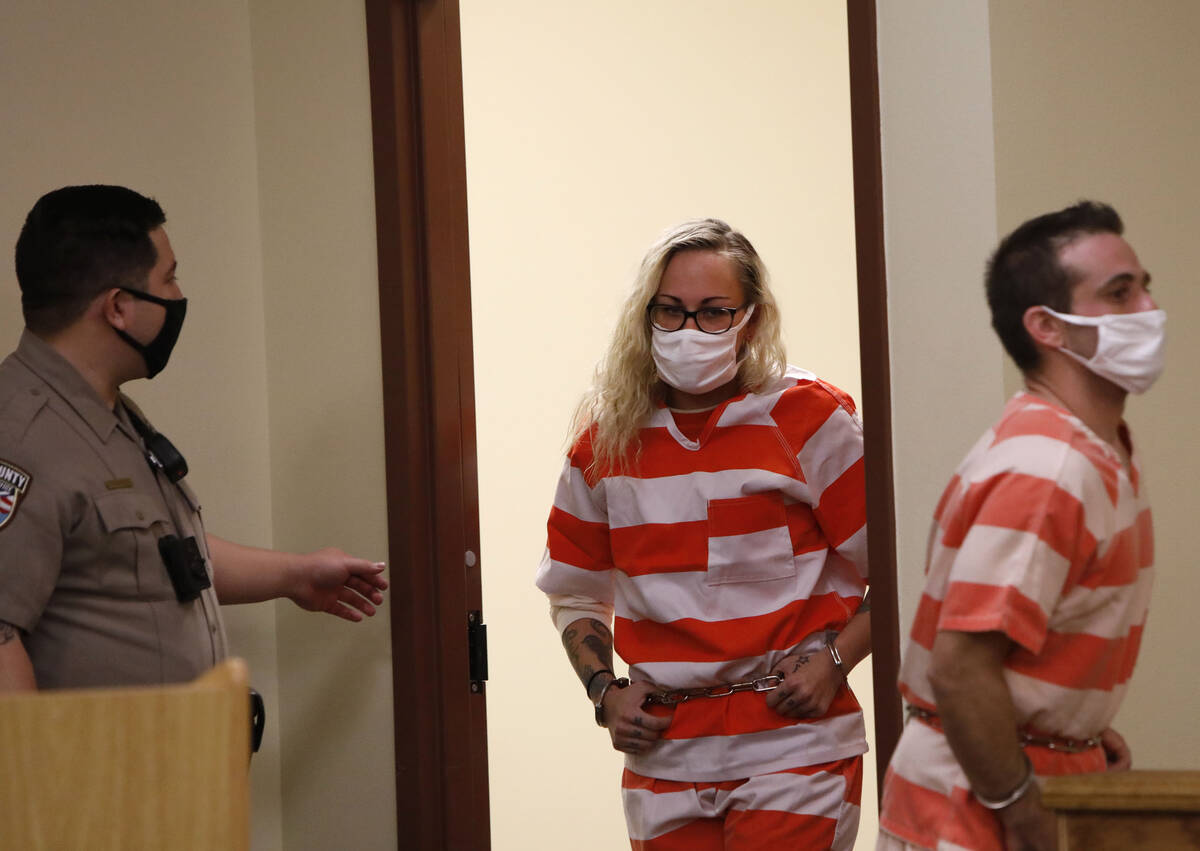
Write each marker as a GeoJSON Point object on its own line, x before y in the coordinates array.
{"type": "Point", "coordinates": [721, 555]}
{"type": "Point", "coordinates": [1043, 535]}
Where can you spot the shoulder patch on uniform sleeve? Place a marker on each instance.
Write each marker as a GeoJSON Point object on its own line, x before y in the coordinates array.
{"type": "Point", "coordinates": [14, 483]}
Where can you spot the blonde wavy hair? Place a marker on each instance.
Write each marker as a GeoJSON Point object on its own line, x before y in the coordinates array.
{"type": "Point", "coordinates": [626, 386]}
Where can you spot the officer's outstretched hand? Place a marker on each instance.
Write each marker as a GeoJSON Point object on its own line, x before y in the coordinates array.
{"type": "Point", "coordinates": [329, 580]}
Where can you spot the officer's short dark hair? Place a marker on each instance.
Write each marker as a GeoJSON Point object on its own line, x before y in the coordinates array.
{"type": "Point", "coordinates": [77, 242]}
{"type": "Point", "coordinates": [1026, 271]}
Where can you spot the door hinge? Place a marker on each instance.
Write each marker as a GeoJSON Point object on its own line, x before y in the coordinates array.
{"type": "Point", "coordinates": [477, 650]}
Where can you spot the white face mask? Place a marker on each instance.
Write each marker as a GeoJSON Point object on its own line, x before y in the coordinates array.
{"type": "Point", "coordinates": [695, 362]}
{"type": "Point", "coordinates": [1129, 346]}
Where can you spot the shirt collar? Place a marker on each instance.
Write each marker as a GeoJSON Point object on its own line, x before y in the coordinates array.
{"type": "Point", "coordinates": [46, 363]}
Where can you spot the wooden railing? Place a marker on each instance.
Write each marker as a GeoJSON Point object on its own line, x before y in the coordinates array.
{"type": "Point", "coordinates": [128, 768]}
{"type": "Point", "coordinates": [1126, 810]}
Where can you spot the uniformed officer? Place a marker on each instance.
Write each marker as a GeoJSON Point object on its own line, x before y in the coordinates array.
{"type": "Point", "coordinates": [107, 576]}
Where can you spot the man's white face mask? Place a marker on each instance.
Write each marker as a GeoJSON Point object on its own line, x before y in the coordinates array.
{"type": "Point", "coordinates": [695, 362]}
{"type": "Point", "coordinates": [1129, 346]}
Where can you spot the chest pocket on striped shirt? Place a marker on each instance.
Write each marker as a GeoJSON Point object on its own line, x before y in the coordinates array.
{"type": "Point", "coordinates": [748, 539]}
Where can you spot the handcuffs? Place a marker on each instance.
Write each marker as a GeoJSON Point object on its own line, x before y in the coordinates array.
{"type": "Point", "coordinates": [673, 697]}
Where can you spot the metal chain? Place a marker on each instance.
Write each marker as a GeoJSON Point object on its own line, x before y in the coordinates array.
{"type": "Point", "coordinates": [683, 695]}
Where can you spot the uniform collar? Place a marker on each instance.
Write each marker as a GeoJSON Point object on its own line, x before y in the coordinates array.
{"type": "Point", "coordinates": [47, 364]}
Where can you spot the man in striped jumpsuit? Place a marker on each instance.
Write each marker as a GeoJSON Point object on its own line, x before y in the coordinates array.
{"type": "Point", "coordinates": [1041, 554]}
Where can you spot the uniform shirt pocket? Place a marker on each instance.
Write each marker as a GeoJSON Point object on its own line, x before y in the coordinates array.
{"type": "Point", "coordinates": [748, 539]}
{"type": "Point", "coordinates": [134, 523]}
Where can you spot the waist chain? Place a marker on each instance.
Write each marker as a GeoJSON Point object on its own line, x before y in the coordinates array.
{"type": "Point", "coordinates": [683, 695]}
{"type": "Point", "coordinates": [1028, 737]}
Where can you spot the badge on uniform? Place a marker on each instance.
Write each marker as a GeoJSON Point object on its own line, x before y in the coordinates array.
{"type": "Point", "coordinates": [13, 483]}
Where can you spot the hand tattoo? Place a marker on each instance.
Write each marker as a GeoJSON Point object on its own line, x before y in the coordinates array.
{"type": "Point", "coordinates": [800, 660]}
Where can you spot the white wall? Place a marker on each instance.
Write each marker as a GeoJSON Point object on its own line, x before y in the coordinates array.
{"type": "Point", "coordinates": [590, 129]}
{"type": "Point", "coordinates": [1095, 99]}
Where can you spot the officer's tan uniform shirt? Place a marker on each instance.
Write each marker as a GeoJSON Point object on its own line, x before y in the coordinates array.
{"type": "Point", "coordinates": [81, 512]}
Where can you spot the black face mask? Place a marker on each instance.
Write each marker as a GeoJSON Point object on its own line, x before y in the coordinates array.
{"type": "Point", "coordinates": [158, 351]}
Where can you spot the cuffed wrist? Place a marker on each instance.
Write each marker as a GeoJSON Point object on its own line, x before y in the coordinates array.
{"type": "Point", "coordinates": [618, 683]}
{"type": "Point", "coordinates": [592, 682]}
{"type": "Point", "coordinates": [1016, 794]}
{"type": "Point", "coordinates": [831, 645]}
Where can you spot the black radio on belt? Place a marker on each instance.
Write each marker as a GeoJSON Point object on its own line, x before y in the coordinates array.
{"type": "Point", "coordinates": [185, 566]}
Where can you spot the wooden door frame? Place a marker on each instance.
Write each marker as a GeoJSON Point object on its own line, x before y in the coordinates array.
{"type": "Point", "coordinates": [875, 366]}
{"type": "Point", "coordinates": [415, 64]}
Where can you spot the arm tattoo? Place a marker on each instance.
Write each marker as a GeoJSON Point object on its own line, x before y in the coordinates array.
{"type": "Point", "coordinates": [8, 632]}
{"type": "Point", "coordinates": [568, 640]}
{"type": "Point", "coordinates": [591, 651]}
{"type": "Point", "coordinates": [602, 649]}
{"type": "Point", "coordinates": [600, 642]}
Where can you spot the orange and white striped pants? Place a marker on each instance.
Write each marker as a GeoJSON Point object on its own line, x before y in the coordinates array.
{"type": "Point", "coordinates": [813, 807]}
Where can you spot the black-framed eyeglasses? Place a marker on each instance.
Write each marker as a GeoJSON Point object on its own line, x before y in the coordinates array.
{"type": "Point", "coordinates": [710, 320]}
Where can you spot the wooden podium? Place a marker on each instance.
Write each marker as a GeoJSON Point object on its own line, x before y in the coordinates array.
{"type": "Point", "coordinates": [128, 768]}
{"type": "Point", "coordinates": [1144, 810]}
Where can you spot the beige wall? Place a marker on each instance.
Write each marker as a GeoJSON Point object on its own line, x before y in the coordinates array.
{"type": "Point", "coordinates": [589, 130]}
{"type": "Point", "coordinates": [940, 223]}
{"type": "Point", "coordinates": [172, 118]}
{"type": "Point", "coordinates": [316, 191]}
{"type": "Point", "coordinates": [1087, 103]}
{"type": "Point", "coordinates": [1095, 99]}
{"type": "Point", "coordinates": [260, 155]}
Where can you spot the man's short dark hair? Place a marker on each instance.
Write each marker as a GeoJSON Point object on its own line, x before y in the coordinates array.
{"type": "Point", "coordinates": [77, 242]}
{"type": "Point", "coordinates": [1026, 271]}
